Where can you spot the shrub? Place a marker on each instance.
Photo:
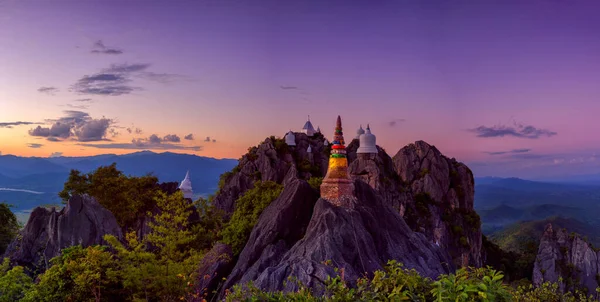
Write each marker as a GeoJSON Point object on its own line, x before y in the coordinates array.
{"type": "Point", "coordinates": [315, 182]}
{"type": "Point", "coordinates": [247, 210]}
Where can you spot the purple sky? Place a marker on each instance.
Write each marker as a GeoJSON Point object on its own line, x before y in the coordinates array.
{"type": "Point", "coordinates": [509, 87]}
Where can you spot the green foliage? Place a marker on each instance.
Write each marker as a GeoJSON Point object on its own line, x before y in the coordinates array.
{"type": "Point", "coordinates": [207, 230]}
{"type": "Point", "coordinates": [514, 265]}
{"type": "Point", "coordinates": [280, 146]}
{"type": "Point", "coordinates": [247, 210]}
{"type": "Point", "coordinates": [127, 197]}
{"type": "Point", "coordinates": [548, 292]}
{"type": "Point", "coordinates": [14, 283]}
{"type": "Point", "coordinates": [9, 226]}
{"type": "Point", "coordinates": [159, 267]}
{"type": "Point", "coordinates": [315, 182]}
{"type": "Point", "coordinates": [78, 274]}
{"type": "Point", "coordinates": [471, 284]}
{"type": "Point", "coordinates": [223, 179]}
{"type": "Point", "coordinates": [395, 283]}
{"type": "Point", "coordinates": [422, 203]}
{"type": "Point", "coordinates": [252, 153]}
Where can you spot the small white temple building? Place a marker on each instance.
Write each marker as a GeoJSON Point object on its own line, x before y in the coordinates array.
{"type": "Point", "coordinates": [290, 138]}
{"type": "Point", "coordinates": [308, 128]}
{"type": "Point", "coordinates": [367, 142]}
{"type": "Point", "coordinates": [186, 186]}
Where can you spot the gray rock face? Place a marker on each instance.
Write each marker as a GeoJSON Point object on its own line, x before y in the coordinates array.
{"type": "Point", "coordinates": [215, 265]}
{"type": "Point", "coordinates": [416, 208]}
{"type": "Point", "coordinates": [82, 221]}
{"type": "Point", "coordinates": [569, 257]}
{"type": "Point", "coordinates": [359, 240]}
{"type": "Point", "coordinates": [279, 227]}
{"type": "Point", "coordinates": [273, 160]}
{"type": "Point", "coordinates": [377, 170]}
{"type": "Point", "coordinates": [441, 206]}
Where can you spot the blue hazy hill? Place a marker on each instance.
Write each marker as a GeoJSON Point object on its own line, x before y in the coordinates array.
{"type": "Point", "coordinates": [46, 176]}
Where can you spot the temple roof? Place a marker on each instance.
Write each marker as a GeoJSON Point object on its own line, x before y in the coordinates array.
{"type": "Point", "coordinates": [308, 126]}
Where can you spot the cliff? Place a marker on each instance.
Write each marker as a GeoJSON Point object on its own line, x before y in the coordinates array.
{"type": "Point", "coordinates": [567, 256]}
{"type": "Point", "coordinates": [82, 221]}
{"type": "Point", "coordinates": [416, 207]}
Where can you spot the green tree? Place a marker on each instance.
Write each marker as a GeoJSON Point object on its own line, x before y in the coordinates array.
{"type": "Point", "coordinates": [162, 264]}
{"type": "Point", "coordinates": [247, 210]}
{"type": "Point", "coordinates": [9, 226]}
{"type": "Point", "coordinates": [14, 283]}
{"type": "Point", "coordinates": [208, 228]}
{"type": "Point", "coordinates": [127, 197]}
{"type": "Point", "coordinates": [78, 274]}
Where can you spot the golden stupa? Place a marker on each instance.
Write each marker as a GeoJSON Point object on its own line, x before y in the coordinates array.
{"type": "Point", "coordinates": [337, 187]}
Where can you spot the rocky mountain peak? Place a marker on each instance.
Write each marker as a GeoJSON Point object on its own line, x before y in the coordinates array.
{"type": "Point", "coordinates": [569, 257]}
{"type": "Point", "coordinates": [82, 221]}
{"type": "Point", "coordinates": [415, 207]}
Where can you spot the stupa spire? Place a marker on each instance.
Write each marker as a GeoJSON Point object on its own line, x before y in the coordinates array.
{"type": "Point", "coordinates": [337, 187]}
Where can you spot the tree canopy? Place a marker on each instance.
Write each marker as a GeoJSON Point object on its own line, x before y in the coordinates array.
{"type": "Point", "coordinates": [127, 197]}
{"type": "Point", "coordinates": [9, 226]}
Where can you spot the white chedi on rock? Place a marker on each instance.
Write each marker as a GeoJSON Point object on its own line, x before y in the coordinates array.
{"type": "Point", "coordinates": [290, 138]}
{"type": "Point", "coordinates": [367, 142]}
{"type": "Point", "coordinates": [186, 186]}
{"type": "Point", "coordinates": [359, 132]}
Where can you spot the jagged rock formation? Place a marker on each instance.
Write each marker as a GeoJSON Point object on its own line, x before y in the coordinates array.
{"type": "Point", "coordinates": [568, 256]}
{"type": "Point", "coordinates": [279, 227]}
{"type": "Point", "coordinates": [442, 201]}
{"type": "Point", "coordinates": [82, 221]}
{"type": "Point", "coordinates": [273, 160]}
{"type": "Point", "coordinates": [289, 242]}
{"type": "Point", "coordinates": [215, 264]}
{"type": "Point", "coordinates": [416, 207]}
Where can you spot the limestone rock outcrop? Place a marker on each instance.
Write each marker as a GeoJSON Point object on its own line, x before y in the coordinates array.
{"type": "Point", "coordinates": [360, 240]}
{"type": "Point", "coordinates": [215, 265]}
{"type": "Point", "coordinates": [416, 208]}
{"type": "Point", "coordinates": [566, 256]}
{"type": "Point", "coordinates": [273, 160]}
{"type": "Point", "coordinates": [82, 221]}
{"type": "Point", "coordinates": [442, 201]}
{"type": "Point", "coordinates": [279, 227]}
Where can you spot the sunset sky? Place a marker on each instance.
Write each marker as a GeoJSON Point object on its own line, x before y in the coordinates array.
{"type": "Point", "coordinates": [511, 88]}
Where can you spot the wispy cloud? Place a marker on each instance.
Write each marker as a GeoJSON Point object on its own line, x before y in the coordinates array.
{"type": "Point", "coordinates": [48, 90]}
{"type": "Point", "coordinates": [134, 130]}
{"type": "Point", "coordinates": [100, 48]}
{"type": "Point", "coordinates": [34, 146]}
{"type": "Point", "coordinates": [164, 78]}
{"type": "Point", "coordinates": [508, 152]}
{"type": "Point", "coordinates": [117, 79]}
{"type": "Point", "coordinates": [80, 107]}
{"type": "Point", "coordinates": [12, 124]}
{"type": "Point", "coordinates": [517, 130]}
{"type": "Point", "coordinates": [394, 122]}
{"type": "Point", "coordinates": [168, 142]}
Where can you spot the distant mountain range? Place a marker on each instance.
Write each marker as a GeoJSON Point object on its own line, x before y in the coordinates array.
{"type": "Point", "coordinates": [515, 211]}
{"type": "Point", "coordinates": [522, 236]}
{"type": "Point", "coordinates": [46, 176]}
